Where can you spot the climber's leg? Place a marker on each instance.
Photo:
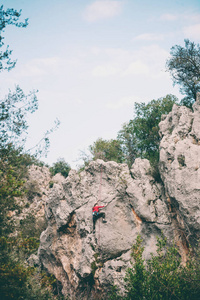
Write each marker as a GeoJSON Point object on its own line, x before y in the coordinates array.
{"type": "Point", "coordinates": [102, 215]}
{"type": "Point", "coordinates": [96, 217]}
{"type": "Point", "coordinates": [103, 218]}
{"type": "Point", "coordinates": [94, 221]}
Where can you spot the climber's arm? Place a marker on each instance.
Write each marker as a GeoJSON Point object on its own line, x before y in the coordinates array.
{"type": "Point", "coordinates": [101, 206]}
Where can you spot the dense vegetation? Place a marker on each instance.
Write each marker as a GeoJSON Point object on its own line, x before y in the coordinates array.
{"type": "Point", "coordinates": [61, 166]}
{"type": "Point", "coordinates": [163, 276]}
{"type": "Point", "coordinates": [138, 138]}
{"type": "Point", "coordinates": [17, 280]}
{"type": "Point", "coordinates": [184, 67]}
{"type": "Point", "coordinates": [8, 17]}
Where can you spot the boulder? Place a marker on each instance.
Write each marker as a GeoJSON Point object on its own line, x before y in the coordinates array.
{"type": "Point", "coordinates": [86, 262]}
{"type": "Point", "coordinates": [180, 167]}
{"type": "Point", "coordinates": [134, 204]}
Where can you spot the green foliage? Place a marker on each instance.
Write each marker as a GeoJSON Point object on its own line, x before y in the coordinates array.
{"type": "Point", "coordinates": [137, 138]}
{"type": "Point", "coordinates": [181, 160]}
{"type": "Point", "coordinates": [13, 277]}
{"type": "Point", "coordinates": [140, 136]}
{"type": "Point", "coordinates": [163, 276]}
{"type": "Point", "coordinates": [61, 166]}
{"type": "Point", "coordinates": [128, 140]}
{"type": "Point", "coordinates": [40, 285]}
{"type": "Point", "coordinates": [96, 257]}
{"type": "Point", "coordinates": [8, 17]}
{"type": "Point", "coordinates": [108, 150]}
{"type": "Point", "coordinates": [17, 281]}
{"type": "Point", "coordinates": [135, 278]}
{"type": "Point", "coordinates": [184, 67]}
{"type": "Point", "coordinates": [14, 111]}
{"type": "Point", "coordinates": [30, 228]}
{"type": "Point", "coordinates": [11, 185]}
{"type": "Point", "coordinates": [33, 190]}
{"type": "Point", "coordinates": [113, 293]}
{"type": "Point", "coordinates": [94, 267]}
{"type": "Point", "coordinates": [51, 183]}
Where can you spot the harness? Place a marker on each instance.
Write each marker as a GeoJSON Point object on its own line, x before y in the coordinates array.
{"type": "Point", "coordinates": [95, 214]}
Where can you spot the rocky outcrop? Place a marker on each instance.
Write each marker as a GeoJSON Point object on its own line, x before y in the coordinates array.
{"type": "Point", "coordinates": [84, 261]}
{"type": "Point", "coordinates": [32, 205]}
{"type": "Point", "coordinates": [81, 259]}
{"type": "Point", "coordinates": [180, 169]}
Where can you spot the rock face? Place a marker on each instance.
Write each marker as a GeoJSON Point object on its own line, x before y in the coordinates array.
{"type": "Point", "coordinates": [180, 168]}
{"type": "Point", "coordinates": [32, 216]}
{"type": "Point", "coordinates": [84, 261]}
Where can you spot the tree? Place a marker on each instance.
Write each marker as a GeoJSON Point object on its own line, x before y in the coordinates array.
{"type": "Point", "coordinates": [108, 150]}
{"type": "Point", "coordinates": [140, 136]}
{"type": "Point", "coordinates": [128, 140]}
{"type": "Point", "coordinates": [15, 276]}
{"type": "Point", "coordinates": [8, 17]}
{"type": "Point", "coordinates": [14, 109]}
{"type": "Point", "coordinates": [163, 276]}
{"type": "Point", "coordinates": [13, 167]}
{"type": "Point", "coordinates": [61, 166]}
{"type": "Point", "coordinates": [184, 67]}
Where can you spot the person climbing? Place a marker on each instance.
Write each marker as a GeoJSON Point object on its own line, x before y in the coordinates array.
{"type": "Point", "coordinates": [96, 214]}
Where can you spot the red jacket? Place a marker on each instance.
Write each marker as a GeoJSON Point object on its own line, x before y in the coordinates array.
{"type": "Point", "coordinates": [96, 208]}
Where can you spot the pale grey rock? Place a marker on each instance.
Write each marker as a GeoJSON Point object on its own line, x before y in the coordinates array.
{"type": "Point", "coordinates": [180, 166]}
{"type": "Point", "coordinates": [85, 262]}
{"type": "Point", "coordinates": [33, 261]}
{"type": "Point", "coordinates": [196, 121]}
{"type": "Point", "coordinates": [134, 205]}
{"type": "Point", "coordinates": [33, 204]}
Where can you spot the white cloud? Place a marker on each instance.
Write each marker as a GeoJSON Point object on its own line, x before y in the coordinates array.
{"type": "Point", "coordinates": [133, 68]}
{"type": "Point", "coordinates": [123, 102]}
{"type": "Point", "coordinates": [192, 32]}
{"type": "Point", "coordinates": [195, 17]}
{"type": "Point", "coordinates": [31, 69]}
{"type": "Point", "coordinates": [48, 61]}
{"type": "Point", "coordinates": [105, 70]}
{"type": "Point", "coordinates": [121, 63]}
{"type": "Point", "coordinates": [149, 37]}
{"type": "Point", "coordinates": [102, 10]}
{"type": "Point", "coordinates": [136, 68]}
{"type": "Point", "coordinates": [153, 54]}
{"type": "Point", "coordinates": [40, 67]}
{"type": "Point", "coordinates": [168, 17]}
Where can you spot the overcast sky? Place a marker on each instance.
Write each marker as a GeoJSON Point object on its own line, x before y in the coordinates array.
{"type": "Point", "coordinates": [91, 61]}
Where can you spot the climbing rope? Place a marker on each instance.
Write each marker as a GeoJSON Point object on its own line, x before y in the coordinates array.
{"type": "Point", "coordinates": [99, 199]}
{"type": "Point", "coordinates": [100, 185]}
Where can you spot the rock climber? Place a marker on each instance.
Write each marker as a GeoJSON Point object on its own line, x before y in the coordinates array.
{"type": "Point", "coordinates": [96, 214]}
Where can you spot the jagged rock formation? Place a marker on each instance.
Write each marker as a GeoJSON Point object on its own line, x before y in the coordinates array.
{"type": "Point", "coordinates": [180, 170]}
{"type": "Point", "coordinates": [84, 262]}
{"type": "Point", "coordinates": [32, 214]}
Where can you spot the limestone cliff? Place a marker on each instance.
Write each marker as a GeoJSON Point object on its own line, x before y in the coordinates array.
{"type": "Point", "coordinates": [84, 262]}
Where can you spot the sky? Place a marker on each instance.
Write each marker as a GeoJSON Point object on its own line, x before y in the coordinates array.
{"type": "Point", "coordinates": [90, 61]}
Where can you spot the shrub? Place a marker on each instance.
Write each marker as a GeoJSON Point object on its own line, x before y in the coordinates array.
{"type": "Point", "coordinates": [61, 166]}
{"type": "Point", "coordinates": [161, 277]}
